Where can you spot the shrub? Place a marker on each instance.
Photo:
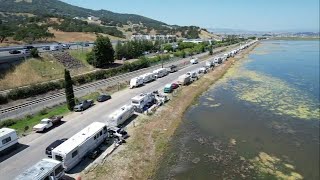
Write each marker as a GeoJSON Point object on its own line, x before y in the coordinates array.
{"type": "Point", "coordinates": [3, 99]}
{"type": "Point", "coordinates": [34, 53]}
{"type": "Point", "coordinates": [7, 123]}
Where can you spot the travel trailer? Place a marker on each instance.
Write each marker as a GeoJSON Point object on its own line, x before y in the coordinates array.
{"type": "Point", "coordinates": [73, 150]}
{"type": "Point", "coordinates": [136, 82]}
{"type": "Point", "coordinates": [121, 115]}
{"type": "Point", "coordinates": [148, 77]}
{"type": "Point", "coordinates": [160, 72]}
{"type": "Point", "coordinates": [8, 139]}
{"type": "Point", "coordinates": [46, 169]}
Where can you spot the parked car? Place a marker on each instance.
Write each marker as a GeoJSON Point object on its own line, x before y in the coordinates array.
{"type": "Point", "coordinates": [167, 88]}
{"type": "Point", "coordinates": [54, 145]}
{"type": "Point", "coordinates": [83, 105]}
{"type": "Point", "coordinates": [103, 97]}
{"type": "Point", "coordinates": [174, 85]}
{"type": "Point", "coordinates": [14, 52]}
{"type": "Point", "coordinates": [65, 46]}
{"type": "Point", "coordinates": [25, 51]}
{"type": "Point", "coordinates": [173, 68]}
{"type": "Point", "coordinates": [47, 123]}
{"type": "Point", "coordinates": [46, 48]}
{"type": "Point", "coordinates": [194, 61]}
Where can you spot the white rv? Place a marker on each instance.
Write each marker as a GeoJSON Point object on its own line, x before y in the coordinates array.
{"type": "Point", "coordinates": [141, 100]}
{"type": "Point", "coordinates": [161, 72]}
{"type": "Point", "coordinates": [8, 139]}
{"type": "Point", "coordinates": [73, 150]}
{"type": "Point", "coordinates": [136, 82]}
{"type": "Point", "coordinates": [121, 115]}
{"type": "Point", "coordinates": [147, 77]}
{"type": "Point", "coordinates": [46, 169]}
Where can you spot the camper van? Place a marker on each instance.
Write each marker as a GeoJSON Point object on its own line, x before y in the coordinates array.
{"type": "Point", "coordinates": [73, 150]}
{"type": "Point", "coordinates": [141, 101]}
{"type": "Point", "coordinates": [8, 139]}
{"type": "Point", "coordinates": [121, 115]}
{"type": "Point", "coordinates": [136, 82]}
{"type": "Point", "coordinates": [160, 72]}
{"type": "Point", "coordinates": [46, 169]}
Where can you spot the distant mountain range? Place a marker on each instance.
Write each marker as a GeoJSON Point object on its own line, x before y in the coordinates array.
{"type": "Point", "coordinates": [228, 31]}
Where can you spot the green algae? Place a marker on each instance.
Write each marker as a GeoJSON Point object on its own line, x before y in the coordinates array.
{"type": "Point", "coordinates": [268, 165]}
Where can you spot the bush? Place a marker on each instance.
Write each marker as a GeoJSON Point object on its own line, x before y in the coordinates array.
{"type": "Point", "coordinates": [44, 111]}
{"type": "Point", "coordinates": [3, 99]}
{"type": "Point", "coordinates": [7, 123]}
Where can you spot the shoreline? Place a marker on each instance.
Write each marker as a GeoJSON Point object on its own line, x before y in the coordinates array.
{"type": "Point", "coordinates": [151, 135]}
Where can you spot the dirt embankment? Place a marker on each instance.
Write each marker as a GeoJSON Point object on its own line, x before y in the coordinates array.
{"type": "Point", "coordinates": [150, 135]}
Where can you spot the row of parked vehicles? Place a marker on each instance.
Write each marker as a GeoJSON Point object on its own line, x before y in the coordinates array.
{"type": "Point", "coordinates": [67, 153]}
{"type": "Point", "coordinates": [151, 76]}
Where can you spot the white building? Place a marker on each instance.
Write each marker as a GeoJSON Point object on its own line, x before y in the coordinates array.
{"type": "Point", "coordinates": [93, 18]}
{"type": "Point", "coordinates": [153, 37]}
{"type": "Point", "coordinates": [197, 41]}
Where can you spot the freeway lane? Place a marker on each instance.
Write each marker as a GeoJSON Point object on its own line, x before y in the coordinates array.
{"type": "Point", "coordinates": [74, 122]}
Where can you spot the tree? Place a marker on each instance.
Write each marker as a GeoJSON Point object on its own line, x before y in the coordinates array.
{"type": "Point", "coordinates": [5, 31]}
{"type": "Point", "coordinates": [168, 47]}
{"type": "Point", "coordinates": [34, 53]}
{"type": "Point", "coordinates": [69, 90]}
{"type": "Point", "coordinates": [102, 52]}
{"type": "Point", "coordinates": [33, 32]}
{"type": "Point", "coordinates": [210, 50]}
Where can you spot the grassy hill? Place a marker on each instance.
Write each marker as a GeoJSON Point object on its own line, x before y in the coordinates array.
{"type": "Point", "coordinates": [21, 13]}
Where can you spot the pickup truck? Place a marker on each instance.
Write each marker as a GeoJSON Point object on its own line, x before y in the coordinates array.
{"type": "Point", "coordinates": [47, 123]}
{"type": "Point", "coordinates": [83, 105]}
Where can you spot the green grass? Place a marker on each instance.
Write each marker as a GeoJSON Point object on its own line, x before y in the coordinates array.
{"type": "Point", "coordinates": [93, 96]}
{"type": "Point", "coordinates": [30, 121]}
{"type": "Point", "coordinates": [81, 56]}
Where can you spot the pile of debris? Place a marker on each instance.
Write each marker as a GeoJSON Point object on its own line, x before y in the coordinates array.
{"type": "Point", "coordinates": [67, 60]}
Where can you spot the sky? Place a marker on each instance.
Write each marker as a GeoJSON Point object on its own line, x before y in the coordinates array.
{"type": "Point", "coordinates": [254, 15]}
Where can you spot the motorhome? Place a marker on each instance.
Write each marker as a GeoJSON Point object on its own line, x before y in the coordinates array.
{"type": "Point", "coordinates": [184, 79]}
{"type": "Point", "coordinates": [46, 169]}
{"type": "Point", "coordinates": [141, 101]}
{"type": "Point", "coordinates": [121, 115]}
{"type": "Point", "coordinates": [136, 82]}
{"type": "Point", "coordinates": [73, 150]}
{"type": "Point", "coordinates": [160, 72]}
{"type": "Point", "coordinates": [8, 139]}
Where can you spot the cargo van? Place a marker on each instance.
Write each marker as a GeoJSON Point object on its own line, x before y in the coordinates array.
{"type": "Point", "coordinates": [8, 139]}
{"type": "Point", "coordinates": [136, 82]}
{"type": "Point", "coordinates": [121, 115]}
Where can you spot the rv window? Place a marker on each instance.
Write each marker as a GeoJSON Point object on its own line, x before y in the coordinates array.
{"type": "Point", "coordinates": [100, 133]}
{"type": "Point", "coordinates": [105, 130]}
{"type": "Point", "coordinates": [59, 158]}
{"type": "Point", "coordinates": [74, 154]}
{"type": "Point", "coordinates": [95, 137]}
{"type": "Point", "coordinates": [6, 140]}
{"type": "Point", "coordinates": [58, 170]}
{"type": "Point", "coordinates": [135, 102]}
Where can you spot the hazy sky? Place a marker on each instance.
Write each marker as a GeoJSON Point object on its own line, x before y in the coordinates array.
{"type": "Point", "coordinates": [261, 15]}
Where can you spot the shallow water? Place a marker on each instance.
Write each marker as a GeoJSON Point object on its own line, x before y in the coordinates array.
{"type": "Point", "coordinates": [261, 120]}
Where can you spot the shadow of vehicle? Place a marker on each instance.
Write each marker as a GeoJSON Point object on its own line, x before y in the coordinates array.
{"type": "Point", "coordinates": [13, 151]}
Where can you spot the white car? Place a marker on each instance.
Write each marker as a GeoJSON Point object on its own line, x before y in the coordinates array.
{"type": "Point", "coordinates": [194, 61]}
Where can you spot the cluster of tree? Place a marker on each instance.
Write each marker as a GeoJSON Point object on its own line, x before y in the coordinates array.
{"type": "Point", "coordinates": [102, 53]}
{"type": "Point", "coordinates": [32, 32]}
{"type": "Point", "coordinates": [134, 49]}
{"type": "Point", "coordinates": [74, 25]}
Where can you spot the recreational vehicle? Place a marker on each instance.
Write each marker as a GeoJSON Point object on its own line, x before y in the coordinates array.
{"type": "Point", "coordinates": [46, 169]}
{"type": "Point", "coordinates": [121, 115]}
{"type": "Point", "coordinates": [136, 82]}
{"type": "Point", "coordinates": [141, 101]}
{"type": "Point", "coordinates": [8, 139]}
{"type": "Point", "coordinates": [147, 77]}
{"type": "Point", "coordinates": [160, 72]}
{"type": "Point", "coordinates": [73, 150]}
{"type": "Point", "coordinates": [184, 79]}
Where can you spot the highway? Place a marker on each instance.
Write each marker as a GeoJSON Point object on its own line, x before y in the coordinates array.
{"type": "Point", "coordinates": [35, 143]}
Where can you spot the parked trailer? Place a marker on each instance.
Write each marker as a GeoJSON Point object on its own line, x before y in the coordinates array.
{"type": "Point", "coordinates": [136, 82]}
{"type": "Point", "coordinates": [8, 139]}
{"type": "Point", "coordinates": [140, 101]}
{"type": "Point", "coordinates": [148, 77]}
{"type": "Point", "coordinates": [160, 72]}
{"type": "Point", "coordinates": [73, 150]}
{"type": "Point", "coordinates": [46, 169]}
{"type": "Point", "coordinates": [121, 115]}
{"type": "Point", "coordinates": [184, 79]}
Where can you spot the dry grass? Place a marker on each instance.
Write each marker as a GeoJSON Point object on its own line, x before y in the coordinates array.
{"type": "Point", "coordinates": [77, 36]}
{"type": "Point", "coordinates": [139, 157]}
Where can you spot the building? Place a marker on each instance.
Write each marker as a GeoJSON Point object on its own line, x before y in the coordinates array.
{"type": "Point", "coordinates": [93, 18]}
{"type": "Point", "coordinates": [197, 41]}
{"type": "Point", "coordinates": [153, 37]}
